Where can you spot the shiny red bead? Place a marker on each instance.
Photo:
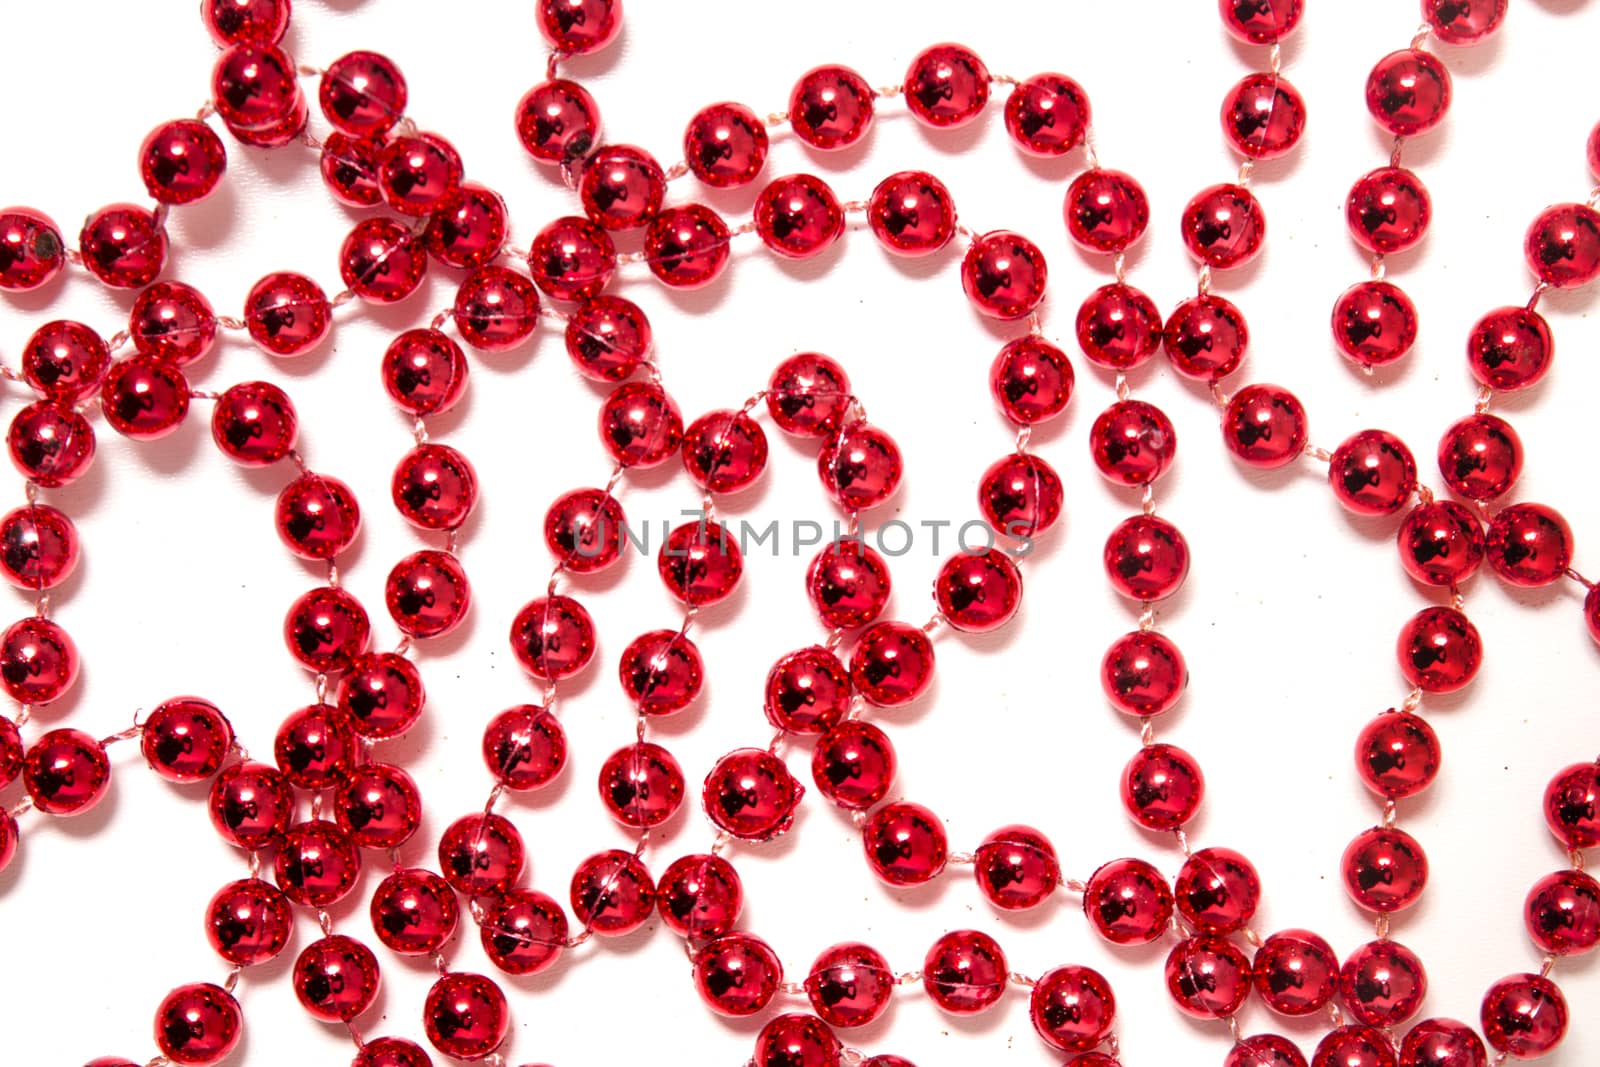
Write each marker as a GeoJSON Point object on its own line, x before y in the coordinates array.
{"type": "Point", "coordinates": [737, 975]}
{"type": "Point", "coordinates": [860, 466]}
{"type": "Point", "coordinates": [39, 661]}
{"type": "Point", "coordinates": [8, 841]}
{"type": "Point", "coordinates": [808, 395]}
{"type": "Point", "coordinates": [1524, 1015]}
{"type": "Point", "coordinates": [1146, 558]}
{"type": "Point", "coordinates": [725, 145]}
{"type": "Point", "coordinates": [251, 804]}
{"type": "Point", "coordinates": [254, 424]}
{"type": "Point", "coordinates": [1382, 983]}
{"type": "Point", "coordinates": [523, 932]}
{"type": "Point", "coordinates": [1132, 442]}
{"type": "Point", "coordinates": [287, 314]}
{"type": "Point", "coordinates": [317, 864]}
{"type": "Point", "coordinates": [796, 1041]}
{"type": "Point", "coordinates": [1439, 650]}
{"type": "Point", "coordinates": [622, 186]}
{"type": "Point", "coordinates": [1128, 902]}
{"type": "Point", "coordinates": [66, 772]}
{"type": "Point", "coordinates": [363, 94]}
{"type": "Point", "coordinates": [553, 637]}
{"type": "Point", "coordinates": [854, 765]}
{"type": "Point", "coordinates": [419, 174]}
{"type": "Point", "coordinates": [123, 245]}
{"type": "Point", "coordinates": [379, 806]}
{"type": "Point", "coordinates": [608, 338]}
{"type": "Point", "coordinates": [1480, 456]}
{"type": "Point", "coordinates": [978, 592]}
{"type": "Point", "coordinates": [584, 530]}
{"type": "Point", "coordinates": [1408, 92]}
{"type": "Point", "coordinates": [524, 747]}
{"type": "Point", "coordinates": [317, 516]}
{"type": "Point", "coordinates": [50, 443]}
{"type": "Point", "coordinates": [850, 984]}
{"type": "Point", "coordinates": [481, 855]}
{"type": "Point", "coordinates": [798, 216]}
{"type": "Point", "coordinates": [173, 322]}
{"type": "Point", "coordinates": [1016, 868]}
{"type": "Point", "coordinates": [1143, 673]}
{"type": "Point", "coordinates": [1510, 348]}
{"type": "Point", "coordinates": [558, 122]}
{"type": "Point", "coordinates": [1206, 338]}
{"type": "Point", "coordinates": [1162, 787]}
{"type": "Point", "coordinates": [1563, 245]}
{"type": "Point", "coordinates": [39, 547]}
{"type": "Point", "coordinates": [1264, 1050]}
{"type": "Point", "coordinates": [1261, 21]}
{"type": "Point", "coordinates": [1373, 473]}
{"type": "Point", "coordinates": [64, 360]}
{"type": "Point", "coordinates": [1385, 869]}
{"type": "Point", "coordinates": [144, 398]}
{"type": "Point", "coordinates": [1004, 275]}
{"type": "Point", "coordinates": [349, 169]}
{"type": "Point", "coordinates": [807, 692]}
{"type": "Point", "coordinates": [200, 1024]}
{"type": "Point", "coordinates": [849, 584]}
{"type": "Point", "coordinates": [1263, 116]}
{"type": "Point", "coordinates": [1529, 545]}
{"type": "Point", "coordinates": [1047, 115]}
{"type": "Point", "coordinates": [1397, 755]}
{"type": "Point", "coordinates": [911, 213]}
{"type": "Point", "coordinates": [1591, 613]}
{"type": "Point", "coordinates": [1264, 426]}
{"type": "Point", "coordinates": [1118, 327]}
{"type": "Point", "coordinates": [905, 844]}
{"type": "Point", "coordinates": [1562, 913]}
{"type": "Point", "coordinates": [1441, 543]}
{"type": "Point", "coordinates": [892, 664]}
{"type": "Point", "coordinates": [700, 563]}
{"type": "Point", "coordinates": [256, 92]}
{"type": "Point", "coordinates": [465, 1016]}
{"type": "Point", "coordinates": [1572, 805]}
{"type": "Point", "coordinates": [314, 747]}
{"type": "Point", "coordinates": [381, 262]}
{"type": "Point", "coordinates": [1207, 977]}
{"type": "Point", "coordinates": [686, 246]}
{"type": "Point", "coordinates": [496, 309]}
{"type": "Point", "coordinates": [381, 694]}
{"type": "Point", "coordinates": [700, 896]}
{"type": "Point", "coordinates": [612, 893]}
{"type": "Point", "coordinates": [640, 424]}
{"type": "Point", "coordinates": [469, 231]}
{"type": "Point", "coordinates": [31, 249]}
{"type": "Point", "coordinates": [185, 739]}
{"type": "Point", "coordinates": [434, 487]}
{"type": "Point", "coordinates": [326, 628]}
{"type": "Point", "coordinates": [1374, 323]}
{"type": "Point", "coordinates": [965, 972]}
{"type": "Point", "coordinates": [181, 161]}
{"type": "Point", "coordinates": [579, 27]}
{"type": "Point", "coordinates": [1593, 154]}
{"type": "Point", "coordinates": [572, 258]}
{"type": "Point", "coordinates": [256, 21]}
{"type": "Point", "coordinates": [946, 86]}
{"type": "Point", "coordinates": [1072, 1008]}
{"type": "Point", "coordinates": [661, 672]}
{"type": "Point", "coordinates": [1464, 22]}
{"type": "Point", "coordinates": [414, 912]}
{"type": "Point", "coordinates": [831, 107]}
{"type": "Point", "coordinates": [336, 978]}
{"type": "Point", "coordinates": [1224, 226]}
{"type": "Point", "coordinates": [1217, 890]}
{"type": "Point", "coordinates": [641, 785]}
{"type": "Point", "coordinates": [1442, 1043]}
{"type": "Point", "coordinates": [1295, 972]}
{"type": "Point", "coordinates": [248, 922]}
{"type": "Point", "coordinates": [1355, 1046]}
{"type": "Point", "coordinates": [751, 795]}
{"type": "Point", "coordinates": [424, 372]}
{"type": "Point", "coordinates": [1031, 379]}
{"type": "Point", "coordinates": [1388, 210]}
{"type": "Point", "coordinates": [1106, 210]}
{"type": "Point", "coordinates": [724, 451]}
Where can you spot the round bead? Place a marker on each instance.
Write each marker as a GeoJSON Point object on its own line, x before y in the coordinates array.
{"type": "Point", "coordinates": [686, 247]}
{"type": "Point", "coordinates": [1463, 23]}
{"type": "Point", "coordinates": [849, 984]}
{"type": "Point", "coordinates": [1217, 890]}
{"type": "Point", "coordinates": [1563, 245]}
{"type": "Point", "coordinates": [8, 840]}
{"type": "Point", "coordinates": [1439, 650]}
{"type": "Point", "coordinates": [173, 322]}
{"type": "Point", "coordinates": [978, 592]}
{"type": "Point", "coordinates": [424, 372]}
{"type": "Point", "coordinates": [496, 309]}
{"type": "Point", "coordinates": [1206, 338]}
{"type": "Point", "coordinates": [1385, 869]}
{"type": "Point", "coordinates": [1442, 1043]}
{"type": "Point", "coordinates": [831, 107]}
{"type": "Point", "coordinates": [1572, 805]}
{"type": "Point", "coordinates": [378, 806]}
{"type": "Point", "coordinates": [911, 213]}
{"type": "Point", "coordinates": [256, 93]}
{"type": "Point", "coordinates": [905, 844]}
{"type": "Point", "coordinates": [1143, 673]}
{"type": "Point", "coordinates": [1132, 442]}
{"type": "Point", "coordinates": [66, 772]}
{"type": "Point", "coordinates": [144, 398]}
{"type": "Point", "coordinates": [317, 864]}
{"type": "Point", "coordinates": [808, 692]}
{"type": "Point", "coordinates": [524, 747]}
{"type": "Point", "coordinates": [523, 932]}
{"type": "Point", "coordinates": [381, 262]}
{"type": "Point", "coordinates": [50, 443]}
{"type": "Point", "coordinates": [1510, 348]}
{"type": "Point", "coordinates": [326, 628]}
{"type": "Point", "coordinates": [469, 232]}
{"type": "Point", "coordinates": [700, 563]}
{"type": "Point", "coordinates": [700, 896]}
{"type": "Point", "coordinates": [336, 978]}
{"type": "Point", "coordinates": [1207, 977]}
{"type": "Point", "coordinates": [1162, 787]}
{"type": "Point", "coordinates": [237, 21]}
{"type": "Point", "coordinates": [349, 169]}
{"type": "Point", "coordinates": [465, 1016]}
{"type": "Point", "coordinates": [434, 487]}
{"type": "Point", "coordinates": [1016, 868]}
{"type": "Point", "coordinates": [314, 747]}
{"type": "Point", "coordinates": [123, 245]}
{"type": "Point", "coordinates": [1146, 558]}
{"type": "Point", "coordinates": [1408, 92]}
{"type": "Point", "coordinates": [1296, 972]}
{"type": "Point", "coordinates": [1224, 226]}
{"type": "Point", "coordinates": [796, 1041]}
{"type": "Point", "coordinates": [1382, 983]}
{"type": "Point", "coordinates": [641, 785]}
{"type": "Point", "coordinates": [1118, 327]}
{"type": "Point", "coordinates": [1106, 210]}
{"type": "Point", "coordinates": [363, 94]}
{"type": "Point", "coordinates": [737, 975]}
{"type": "Point", "coordinates": [39, 661]}
{"type": "Point", "coordinates": [181, 161]}
{"type": "Point", "coordinates": [558, 122]}
{"type": "Point", "coordinates": [381, 695]}
{"type": "Point", "coordinates": [946, 86]}
{"type": "Point", "coordinates": [1373, 473]}
{"type": "Point", "coordinates": [1591, 613]}
{"type": "Point", "coordinates": [1397, 755]}
{"type": "Point", "coordinates": [1529, 545]}
{"type": "Point", "coordinates": [1480, 456]}
{"type": "Point", "coordinates": [892, 664]}
{"type": "Point", "coordinates": [725, 145]}
{"type": "Point", "coordinates": [197, 1025]}
{"type": "Point", "coordinates": [1261, 21]}
{"type": "Point", "coordinates": [572, 258]}
{"type": "Point", "coordinates": [1264, 426]}
{"type": "Point", "coordinates": [414, 912]}
{"type": "Point", "coordinates": [1264, 1050]}
{"type": "Point", "coordinates": [31, 249]}
{"type": "Point", "coordinates": [1355, 1046]}
{"type": "Point", "coordinates": [1031, 379]}
{"type": "Point", "coordinates": [248, 922]}
{"type": "Point", "coordinates": [1388, 210]}
{"type": "Point", "coordinates": [854, 765]}
{"type": "Point", "coordinates": [39, 547]}
{"type": "Point", "coordinates": [317, 516]}
{"type": "Point", "coordinates": [1072, 1008]}
{"type": "Point", "coordinates": [1562, 913]}
{"type": "Point", "coordinates": [622, 186]}
{"type": "Point", "coordinates": [808, 395]}
{"type": "Point", "coordinates": [798, 216]}
{"type": "Point", "coordinates": [11, 752]}
{"type": "Point", "coordinates": [965, 972]}
{"type": "Point", "coordinates": [1374, 323]}
{"type": "Point", "coordinates": [251, 804]}
{"type": "Point", "coordinates": [848, 583]}
{"type": "Point", "coordinates": [612, 893]}
{"type": "Point", "coordinates": [751, 795]}
{"type": "Point", "coordinates": [1524, 1015]}
{"type": "Point", "coordinates": [579, 27]}
{"type": "Point", "coordinates": [1263, 116]}
{"type": "Point", "coordinates": [254, 423]}
{"type": "Point", "coordinates": [1047, 115]}
{"type": "Point", "coordinates": [608, 338]}
{"type": "Point", "coordinates": [185, 739]}
{"type": "Point", "coordinates": [481, 855]}
{"type": "Point", "coordinates": [584, 530]}
{"type": "Point", "coordinates": [287, 314]}
{"type": "Point", "coordinates": [1441, 543]}
{"type": "Point", "coordinates": [724, 451]}
{"type": "Point", "coordinates": [661, 672]}
{"type": "Point", "coordinates": [419, 174]}
{"type": "Point", "coordinates": [1128, 902]}
{"type": "Point", "coordinates": [553, 637]}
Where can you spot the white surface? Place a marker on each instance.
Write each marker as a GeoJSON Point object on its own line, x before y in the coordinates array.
{"type": "Point", "coordinates": [1288, 618]}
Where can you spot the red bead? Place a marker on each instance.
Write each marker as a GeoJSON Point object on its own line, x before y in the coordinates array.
{"type": "Point", "coordinates": [326, 628]}
{"type": "Point", "coordinates": [50, 443]}
{"type": "Point", "coordinates": [1206, 338]}
{"type": "Point", "coordinates": [687, 246]}
{"type": "Point", "coordinates": [1529, 545]}
{"type": "Point", "coordinates": [1355, 1046]}
{"type": "Point", "coordinates": [860, 466]}
{"type": "Point", "coordinates": [1004, 275]}
{"type": "Point", "coordinates": [414, 912]}
{"type": "Point", "coordinates": [661, 672]}
{"type": "Point", "coordinates": [1263, 116]}
{"type": "Point", "coordinates": [572, 258]}
{"type": "Point", "coordinates": [1106, 210]}
{"type": "Point", "coordinates": [1072, 1008]}
{"type": "Point", "coordinates": [905, 844]}
{"type": "Point", "coordinates": [181, 161]}
{"type": "Point", "coordinates": [1408, 92]}
{"type": "Point", "coordinates": [1047, 115]}
{"type": "Point", "coordinates": [349, 168]}
{"type": "Point", "coordinates": [1572, 805]}
{"type": "Point", "coordinates": [336, 978]}
{"type": "Point", "coordinates": [287, 314]}
{"type": "Point", "coordinates": [419, 174]}
{"type": "Point", "coordinates": [1146, 558]}
{"type": "Point", "coordinates": [798, 216]}
{"type": "Point", "coordinates": [1020, 495]}
{"type": "Point", "coordinates": [1128, 902]}
{"type": "Point", "coordinates": [1385, 869]}
{"type": "Point", "coordinates": [1143, 673]}
{"type": "Point", "coordinates": [1224, 226]}
{"type": "Point", "coordinates": [1264, 426]}
{"type": "Point", "coordinates": [424, 372]}
{"type": "Point", "coordinates": [123, 245]}
{"type": "Point", "coordinates": [1593, 154]}
{"type": "Point", "coordinates": [317, 864]}
{"type": "Point", "coordinates": [808, 692]}
{"type": "Point", "coordinates": [1510, 348]}
{"type": "Point", "coordinates": [198, 1024]}
{"type": "Point", "coordinates": [465, 1016]}
{"type": "Point", "coordinates": [1463, 22]}
{"type": "Point", "coordinates": [1118, 327]}
{"type": "Point", "coordinates": [1382, 983]}
{"type": "Point", "coordinates": [848, 583]}
{"type": "Point", "coordinates": [911, 213]}
{"type": "Point", "coordinates": [584, 530]}
{"type": "Point", "coordinates": [363, 94]}
{"type": "Point", "coordinates": [1374, 323]}
{"type": "Point", "coordinates": [608, 338]}
{"type": "Point", "coordinates": [64, 360]}
{"type": "Point", "coordinates": [751, 795]}
{"type": "Point", "coordinates": [892, 664]}
{"type": "Point", "coordinates": [831, 107]}
{"type": "Point", "coordinates": [378, 806]}
{"type": "Point", "coordinates": [579, 27]}
{"type": "Point", "coordinates": [1524, 1015]}
{"type": "Point", "coordinates": [144, 398]}
{"type": "Point", "coordinates": [1031, 380]}
{"type": "Point", "coordinates": [1016, 868]}
{"type": "Point", "coordinates": [1373, 473]}
{"type": "Point", "coordinates": [946, 86]}
{"type": "Point", "coordinates": [700, 896]}
{"type": "Point", "coordinates": [558, 122]}
{"type": "Point", "coordinates": [1207, 977]}
{"type": "Point", "coordinates": [39, 547]}
{"type": "Point", "coordinates": [622, 186]}
{"type": "Point", "coordinates": [434, 487]}
{"type": "Point", "coordinates": [1217, 890]}
{"type": "Point", "coordinates": [256, 21]}
{"type": "Point", "coordinates": [640, 424]}
{"type": "Point", "coordinates": [1264, 1050]}
{"type": "Point", "coordinates": [66, 772]}
{"type": "Point", "coordinates": [256, 92]}
{"type": "Point", "coordinates": [8, 841]}
{"type": "Point", "coordinates": [254, 423]}
{"type": "Point", "coordinates": [612, 893]}
{"type": "Point", "coordinates": [469, 231]}
{"type": "Point", "coordinates": [700, 563]}
{"type": "Point", "coordinates": [553, 637]}
{"type": "Point", "coordinates": [1296, 972]}
{"type": "Point", "coordinates": [31, 249]}
{"type": "Point", "coordinates": [725, 145]}
{"type": "Point", "coordinates": [1563, 245]}
{"type": "Point", "coordinates": [1132, 442]}
{"type": "Point", "coordinates": [724, 451]}
{"type": "Point", "coordinates": [853, 765]}
{"type": "Point", "coordinates": [381, 695]}
{"type": "Point", "coordinates": [808, 395]}
{"type": "Point", "coordinates": [1162, 787]}
{"type": "Point", "coordinates": [11, 753]}
{"type": "Point", "coordinates": [1388, 210]}
{"type": "Point", "coordinates": [1439, 650]}
{"type": "Point", "coordinates": [522, 931]}
{"type": "Point", "coordinates": [1261, 21]}
{"type": "Point", "coordinates": [1441, 543]}
{"type": "Point", "coordinates": [796, 1041]}
{"type": "Point", "coordinates": [173, 322]}
{"type": "Point", "coordinates": [524, 747]}
{"type": "Point", "coordinates": [1480, 457]}
{"type": "Point", "coordinates": [978, 592]}
{"type": "Point", "coordinates": [965, 972]}
{"type": "Point", "coordinates": [1397, 755]}
{"type": "Point", "coordinates": [381, 261]}
{"type": "Point", "coordinates": [1562, 913]}
{"type": "Point", "coordinates": [737, 975]}
{"type": "Point", "coordinates": [496, 309]}
{"type": "Point", "coordinates": [317, 516]}
{"type": "Point", "coordinates": [248, 922]}
{"type": "Point", "coordinates": [38, 661]}
{"type": "Point", "coordinates": [641, 785]}
{"type": "Point", "coordinates": [481, 855]}
{"type": "Point", "coordinates": [1591, 612]}
{"type": "Point", "coordinates": [1442, 1043]}
{"type": "Point", "coordinates": [850, 984]}
{"type": "Point", "coordinates": [185, 739]}
{"type": "Point", "coordinates": [251, 804]}
{"type": "Point", "coordinates": [315, 747]}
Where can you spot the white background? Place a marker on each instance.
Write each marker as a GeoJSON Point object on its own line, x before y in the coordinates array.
{"type": "Point", "coordinates": [1288, 617]}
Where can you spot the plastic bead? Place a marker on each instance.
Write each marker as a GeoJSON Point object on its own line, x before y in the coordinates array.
{"type": "Point", "coordinates": [257, 95]}
{"type": "Point", "coordinates": [470, 231]}
{"type": "Point", "coordinates": [424, 372]}
{"type": "Point", "coordinates": [1031, 379]}
{"type": "Point", "coordinates": [31, 249]}
{"type": "Point", "coordinates": [434, 487]}
{"type": "Point", "coordinates": [798, 216]}
{"type": "Point", "coordinates": [725, 145]}
{"type": "Point", "coordinates": [419, 174]}
{"type": "Point", "coordinates": [1510, 348]}
{"type": "Point", "coordinates": [1441, 543]}
{"type": "Point", "coordinates": [251, 804]}
{"type": "Point", "coordinates": [700, 896]}
{"type": "Point", "coordinates": [700, 563]}
{"type": "Point", "coordinates": [185, 739]}
{"type": "Point", "coordinates": [1143, 673]}
{"type": "Point", "coordinates": [641, 785]}
{"type": "Point", "coordinates": [1562, 913]}
{"type": "Point", "coordinates": [197, 1025]}
{"type": "Point", "coordinates": [378, 806]}
{"type": "Point", "coordinates": [612, 893]}
{"type": "Point", "coordinates": [144, 398]}
{"type": "Point", "coordinates": [1072, 1008]}
{"type": "Point", "coordinates": [50, 443]}
{"type": "Point", "coordinates": [1382, 983]}
{"type": "Point", "coordinates": [1146, 558]}
{"type": "Point", "coordinates": [123, 245]}
{"type": "Point", "coordinates": [1480, 456]}
{"type": "Point", "coordinates": [1217, 891]}
{"type": "Point", "coordinates": [905, 844]}
{"type": "Point", "coordinates": [349, 169]}
{"type": "Point", "coordinates": [66, 772]}
{"type": "Point", "coordinates": [796, 1041]}
{"type": "Point", "coordinates": [317, 516]}
{"type": "Point", "coordinates": [287, 314]}
{"type": "Point", "coordinates": [978, 592]}
{"type": "Point", "coordinates": [965, 972]}
{"type": "Point", "coordinates": [572, 258]}
{"type": "Point", "coordinates": [751, 795]}
{"type": "Point", "coordinates": [1162, 787]}
{"type": "Point", "coordinates": [1264, 426]}
{"type": "Point", "coordinates": [553, 637]}
{"type": "Point", "coordinates": [381, 262]}
{"type": "Point", "coordinates": [1524, 1015]}
{"type": "Point", "coordinates": [1296, 973]}
{"type": "Point", "coordinates": [1388, 210]}
{"type": "Point", "coordinates": [39, 547]}
{"type": "Point", "coordinates": [523, 932]}
{"type": "Point", "coordinates": [1464, 22]}
{"type": "Point", "coordinates": [1563, 245]}
{"type": "Point", "coordinates": [640, 424]}
{"type": "Point", "coordinates": [1529, 545]}
{"type": "Point", "coordinates": [1373, 473]}
{"type": "Point", "coordinates": [1128, 902]}
{"type": "Point", "coordinates": [381, 694]}
{"type": "Point", "coordinates": [64, 361]}
{"type": "Point", "coordinates": [254, 21]}
{"type": "Point", "coordinates": [314, 747]}
{"type": "Point", "coordinates": [254, 424]}
{"type": "Point", "coordinates": [481, 855]}
{"type": "Point", "coordinates": [1408, 92]}
{"type": "Point", "coordinates": [579, 27]}
{"type": "Point", "coordinates": [1355, 1046]}
{"type": "Point", "coordinates": [326, 628]}
{"type": "Point", "coordinates": [496, 309]}
{"type": "Point", "coordinates": [807, 692]}
{"type": "Point", "coordinates": [1047, 115]}
{"type": "Point", "coordinates": [854, 765]}
{"type": "Point", "coordinates": [248, 922]}
{"type": "Point", "coordinates": [181, 161]}
{"type": "Point", "coordinates": [1572, 806]}
{"type": "Point", "coordinates": [465, 1016]}
{"type": "Point", "coordinates": [849, 584]}
{"type": "Point", "coordinates": [892, 664]}
{"type": "Point", "coordinates": [1016, 868]}
{"type": "Point", "coordinates": [585, 530]}
{"type": "Point", "coordinates": [1106, 210]}
{"type": "Point", "coordinates": [1207, 977]}
{"type": "Point", "coordinates": [622, 186]}
{"type": "Point", "coordinates": [414, 912]}
{"type": "Point", "coordinates": [39, 661]}
{"type": "Point", "coordinates": [1439, 650]}
{"type": "Point", "coordinates": [661, 672]}
{"type": "Point", "coordinates": [809, 395]}
{"type": "Point", "coordinates": [1132, 442]}
{"type": "Point", "coordinates": [1206, 338]}
{"type": "Point", "coordinates": [1374, 323]}
{"type": "Point", "coordinates": [849, 984]}
{"type": "Point", "coordinates": [317, 864]}
{"type": "Point", "coordinates": [336, 978]}
{"type": "Point", "coordinates": [1442, 1043]}
{"type": "Point", "coordinates": [1385, 869]}
{"type": "Point", "coordinates": [363, 94]}
{"type": "Point", "coordinates": [1224, 226]}
{"type": "Point", "coordinates": [911, 213]}
{"type": "Point", "coordinates": [724, 451]}
{"type": "Point", "coordinates": [946, 86]}
{"type": "Point", "coordinates": [737, 975]}
{"type": "Point", "coordinates": [608, 338]}
{"type": "Point", "coordinates": [8, 840]}
{"type": "Point", "coordinates": [1397, 755]}
{"type": "Point", "coordinates": [1261, 21]}
{"type": "Point", "coordinates": [391, 1052]}
{"type": "Point", "coordinates": [1264, 1050]}
{"type": "Point", "coordinates": [831, 108]}
{"type": "Point", "coordinates": [860, 466]}
{"type": "Point", "coordinates": [686, 247]}
{"type": "Point", "coordinates": [558, 122]}
{"type": "Point", "coordinates": [1263, 116]}
{"type": "Point", "coordinates": [524, 747]}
